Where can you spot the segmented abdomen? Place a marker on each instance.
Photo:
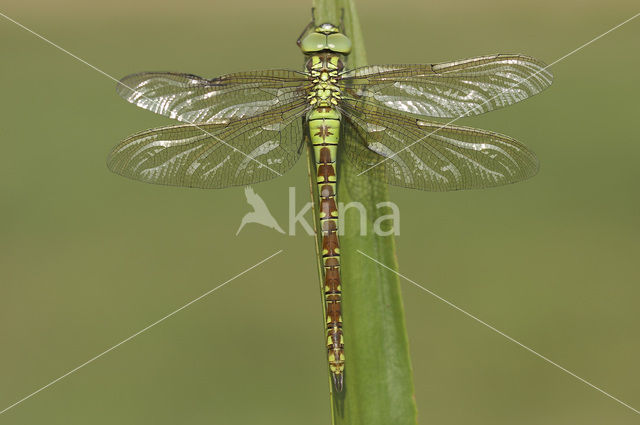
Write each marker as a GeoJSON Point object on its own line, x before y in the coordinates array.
{"type": "Point", "coordinates": [324, 125]}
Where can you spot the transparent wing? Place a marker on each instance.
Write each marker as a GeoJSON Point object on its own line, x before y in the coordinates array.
{"type": "Point", "coordinates": [227, 153]}
{"type": "Point", "coordinates": [192, 99]}
{"type": "Point", "coordinates": [447, 90]}
{"type": "Point", "coordinates": [424, 155]}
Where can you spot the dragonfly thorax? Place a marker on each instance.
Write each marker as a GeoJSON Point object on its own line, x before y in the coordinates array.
{"type": "Point", "coordinates": [324, 70]}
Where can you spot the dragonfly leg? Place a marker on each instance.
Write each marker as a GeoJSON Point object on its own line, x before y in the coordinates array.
{"type": "Point", "coordinates": [306, 29]}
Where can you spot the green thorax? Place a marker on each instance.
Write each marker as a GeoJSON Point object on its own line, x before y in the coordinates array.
{"type": "Point", "coordinates": [324, 70]}
{"type": "Point", "coordinates": [325, 46]}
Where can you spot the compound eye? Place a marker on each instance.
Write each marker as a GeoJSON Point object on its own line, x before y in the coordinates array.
{"type": "Point", "coordinates": [339, 43]}
{"type": "Point", "coordinates": [314, 42]}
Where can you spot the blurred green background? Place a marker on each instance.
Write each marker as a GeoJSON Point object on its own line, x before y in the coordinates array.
{"type": "Point", "coordinates": [87, 258]}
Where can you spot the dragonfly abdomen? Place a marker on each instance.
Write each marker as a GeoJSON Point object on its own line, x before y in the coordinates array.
{"type": "Point", "coordinates": [324, 127]}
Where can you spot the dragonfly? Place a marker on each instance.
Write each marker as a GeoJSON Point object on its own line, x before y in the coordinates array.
{"type": "Point", "coordinates": [243, 128]}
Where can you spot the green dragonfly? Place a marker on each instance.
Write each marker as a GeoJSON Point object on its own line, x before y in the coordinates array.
{"type": "Point", "coordinates": [248, 127]}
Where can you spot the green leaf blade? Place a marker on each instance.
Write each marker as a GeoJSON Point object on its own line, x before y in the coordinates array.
{"type": "Point", "coordinates": [378, 379]}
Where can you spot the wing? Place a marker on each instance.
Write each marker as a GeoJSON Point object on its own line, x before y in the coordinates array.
{"type": "Point", "coordinates": [227, 153]}
{"type": "Point", "coordinates": [447, 90]}
{"type": "Point", "coordinates": [428, 156]}
{"type": "Point", "coordinates": [195, 100]}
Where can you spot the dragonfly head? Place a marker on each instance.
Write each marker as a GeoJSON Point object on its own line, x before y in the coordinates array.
{"type": "Point", "coordinates": [325, 38]}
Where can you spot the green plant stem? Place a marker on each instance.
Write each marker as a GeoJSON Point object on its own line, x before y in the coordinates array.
{"type": "Point", "coordinates": [378, 380]}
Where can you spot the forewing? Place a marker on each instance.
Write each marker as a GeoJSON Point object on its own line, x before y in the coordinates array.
{"type": "Point", "coordinates": [195, 100]}
{"type": "Point", "coordinates": [452, 89]}
{"type": "Point", "coordinates": [425, 155]}
{"type": "Point", "coordinates": [228, 153]}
